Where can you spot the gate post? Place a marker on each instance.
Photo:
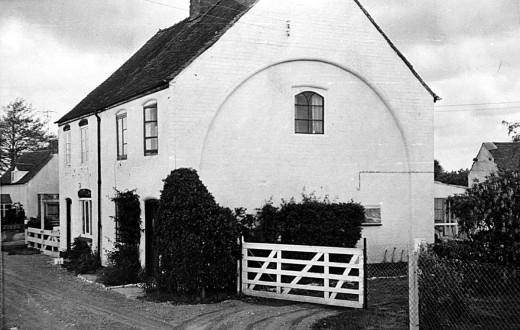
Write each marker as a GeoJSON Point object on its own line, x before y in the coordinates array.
{"type": "Point", "coordinates": [365, 275]}
{"type": "Point", "coordinates": [239, 265]}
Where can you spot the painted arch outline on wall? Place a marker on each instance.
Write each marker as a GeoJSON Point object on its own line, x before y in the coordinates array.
{"type": "Point", "coordinates": [277, 81]}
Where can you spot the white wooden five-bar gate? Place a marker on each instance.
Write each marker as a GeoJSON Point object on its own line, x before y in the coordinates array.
{"type": "Point", "coordinates": [314, 274]}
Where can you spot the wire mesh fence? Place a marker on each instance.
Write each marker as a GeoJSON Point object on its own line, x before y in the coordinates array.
{"type": "Point", "coordinates": [387, 282]}
{"type": "Point", "coordinates": [456, 294]}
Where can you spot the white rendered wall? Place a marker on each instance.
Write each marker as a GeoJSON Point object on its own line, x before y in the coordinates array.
{"type": "Point", "coordinates": [230, 115]}
{"type": "Point", "coordinates": [483, 167]}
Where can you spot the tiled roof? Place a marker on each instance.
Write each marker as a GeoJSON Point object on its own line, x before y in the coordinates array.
{"type": "Point", "coordinates": [506, 155]}
{"type": "Point", "coordinates": [170, 51]}
{"type": "Point", "coordinates": [31, 162]}
{"type": "Point", "coordinates": [163, 57]}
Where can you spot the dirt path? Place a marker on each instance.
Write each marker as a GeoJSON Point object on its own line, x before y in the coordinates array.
{"type": "Point", "coordinates": [39, 295]}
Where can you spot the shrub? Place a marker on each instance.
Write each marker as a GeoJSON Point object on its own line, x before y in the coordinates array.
{"type": "Point", "coordinates": [196, 238]}
{"type": "Point", "coordinates": [36, 223]}
{"type": "Point", "coordinates": [124, 268]}
{"type": "Point", "coordinates": [489, 215]}
{"type": "Point", "coordinates": [15, 215]}
{"type": "Point", "coordinates": [81, 260]}
{"type": "Point", "coordinates": [442, 295]}
{"type": "Point", "coordinates": [310, 222]}
{"type": "Point", "coordinates": [124, 260]}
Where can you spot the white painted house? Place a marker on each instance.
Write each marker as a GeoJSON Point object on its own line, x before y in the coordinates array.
{"type": "Point", "coordinates": [492, 158]}
{"type": "Point", "coordinates": [264, 99]}
{"type": "Point", "coordinates": [32, 182]}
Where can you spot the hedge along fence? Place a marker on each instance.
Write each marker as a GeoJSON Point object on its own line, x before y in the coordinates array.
{"type": "Point", "coordinates": [309, 222]}
{"type": "Point", "coordinates": [197, 239]}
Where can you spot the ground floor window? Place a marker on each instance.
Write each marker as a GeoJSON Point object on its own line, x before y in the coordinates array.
{"type": "Point", "coordinates": [445, 224]}
{"type": "Point", "coordinates": [49, 207]}
{"type": "Point", "coordinates": [86, 215]}
{"type": "Point", "coordinates": [4, 208]}
{"type": "Point", "coordinates": [372, 215]}
{"type": "Point", "coordinates": [5, 204]}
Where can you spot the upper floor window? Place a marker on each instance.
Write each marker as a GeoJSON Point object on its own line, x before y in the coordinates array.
{"type": "Point", "coordinates": [66, 131]}
{"type": "Point", "coordinates": [151, 139]}
{"type": "Point", "coordinates": [121, 135]}
{"type": "Point", "coordinates": [84, 140]}
{"type": "Point", "coordinates": [309, 113]}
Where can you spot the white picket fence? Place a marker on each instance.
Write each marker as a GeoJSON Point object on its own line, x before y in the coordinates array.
{"type": "Point", "coordinates": [313, 274]}
{"type": "Point", "coordinates": [47, 241]}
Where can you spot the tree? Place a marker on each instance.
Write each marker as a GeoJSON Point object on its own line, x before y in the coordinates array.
{"type": "Point", "coordinates": [489, 216]}
{"type": "Point", "coordinates": [512, 130]}
{"type": "Point", "coordinates": [21, 131]}
{"type": "Point", "coordinates": [459, 177]}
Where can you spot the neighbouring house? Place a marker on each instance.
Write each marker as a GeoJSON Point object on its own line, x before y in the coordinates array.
{"type": "Point", "coordinates": [33, 182]}
{"type": "Point", "coordinates": [265, 99]}
{"type": "Point", "coordinates": [492, 158]}
{"type": "Point", "coordinates": [446, 225]}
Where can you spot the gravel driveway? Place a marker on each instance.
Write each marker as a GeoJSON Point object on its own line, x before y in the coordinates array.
{"type": "Point", "coordinates": [39, 295]}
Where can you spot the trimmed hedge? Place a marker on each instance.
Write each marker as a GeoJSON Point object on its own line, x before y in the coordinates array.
{"type": "Point", "coordinates": [309, 222]}
{"type": "Point", "coordinates": [196, 238]}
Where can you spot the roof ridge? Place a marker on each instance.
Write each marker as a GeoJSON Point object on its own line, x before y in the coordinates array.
{"type": "Point", "coordinates": [398, 52]}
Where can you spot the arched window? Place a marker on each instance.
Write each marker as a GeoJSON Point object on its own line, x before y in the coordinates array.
{"type": "Point", "coordinates": [121, 135]}
{"type": "Point", "coordinates": [85, 203]}
{"type": "Point", "coordinates": [308, 109]}
{"type": "Point", "coordinates": [84, 140]}
{"type": "Point", "coordinates": [66, 130]}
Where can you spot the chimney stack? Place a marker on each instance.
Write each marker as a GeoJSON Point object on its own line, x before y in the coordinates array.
{"type": "Point", "coordinates": [199, 7]}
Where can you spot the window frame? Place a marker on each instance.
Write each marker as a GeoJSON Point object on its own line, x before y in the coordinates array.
{"type": "Point", "coordinates": [368, 224]}
{"type": "Point", "coordinates": [151, 105]}
{"type": "Point", "coordinates": [84, 141]}
{"type": "Point", "coordinates": [85, 204]}
{"type": "Point", "coordinates": [68, 145]}
{"type": "Point", "coordinates": [446, 222]}
{"type": "Point", "coordinates": [121, 136]}
{"type": "Point", "coordinates": [4, 207]}
{"type": "Point", "coordinates": [309, 94]}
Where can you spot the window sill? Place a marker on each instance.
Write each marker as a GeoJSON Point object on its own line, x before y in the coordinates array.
{"type": "Point", "coordinates": [371, 224]}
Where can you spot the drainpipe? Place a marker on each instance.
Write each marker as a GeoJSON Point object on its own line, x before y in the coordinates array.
{"type": "Point", "coordinates": [100, 227]}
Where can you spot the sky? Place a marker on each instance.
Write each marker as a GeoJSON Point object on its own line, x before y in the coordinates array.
{"type": "Point", "coordinates": [54, 52]}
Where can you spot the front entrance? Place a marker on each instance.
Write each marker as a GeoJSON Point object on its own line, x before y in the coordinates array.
{"type": "Point", "coordinates": [151, 257]}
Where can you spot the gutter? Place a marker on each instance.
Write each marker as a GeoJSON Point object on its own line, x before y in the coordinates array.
{"type": "Point", "coordinates": [100, 227]}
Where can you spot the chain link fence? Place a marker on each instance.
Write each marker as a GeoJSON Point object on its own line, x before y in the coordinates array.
{"type": "Point", "coordinates": [457, 294]}
{"type": "Point", "coordinates": [387, 283]}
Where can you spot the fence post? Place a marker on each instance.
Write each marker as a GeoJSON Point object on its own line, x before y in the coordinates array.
{"type": "Point", "coordinates": [239, 266]}
{"type": "Point", "coordinates": [365, 275]}
{"type": "Point", "coordinates": [413, 285]}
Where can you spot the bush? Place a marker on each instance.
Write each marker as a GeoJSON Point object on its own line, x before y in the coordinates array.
{"type": "Point", "coordinates": [442, 295]}
{"type": "Point", "coordinates": [310, 222]}
{"type": "Point", "coordinates": [125, 266]}
{"type": "Point", "coordinates": [15, 215]}
{"type": "Point", "coordinates": [36, 223]}
{"type": "Point", "coordinates": [489, 216]}
{"type": "Point", "coordinates": [124, 260]}
{"type": "Point", "coordinates": [81, 260]}
{"type": "Point", "coordinates": [196, 238]}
